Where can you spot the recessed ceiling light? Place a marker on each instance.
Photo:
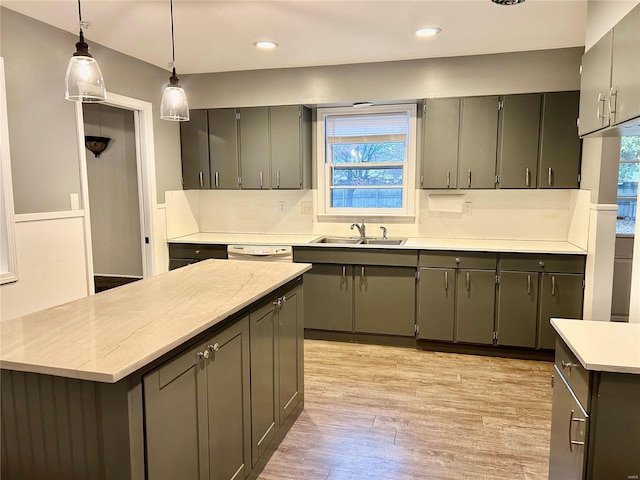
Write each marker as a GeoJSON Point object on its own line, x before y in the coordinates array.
{"type": "Point", "coordinates": [507, 2]}
{"type": "Point", "coordinates": [362, 104]}
{"type": "Point", "coordinates": [427, 32]}
{"type": "Point", "coordinates": [265, 45]}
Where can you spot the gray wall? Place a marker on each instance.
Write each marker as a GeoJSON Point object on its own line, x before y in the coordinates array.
{"type": "Point", "coordinates": [113, 192]}
{"type": "Point", "coordinates": [537, 71]}
{"type": "Point", "coordinates": [42, 130]}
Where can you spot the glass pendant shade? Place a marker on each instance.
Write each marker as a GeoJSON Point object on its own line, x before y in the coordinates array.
{"type": "Point", "coordinates": [83, 81]}
{"type": "Point", "coordinates": [174, 104]}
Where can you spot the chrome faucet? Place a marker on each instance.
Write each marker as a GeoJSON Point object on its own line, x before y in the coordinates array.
{"type": "Point", "coordinates": [361, 228]}
{"type": "Point", "coordinates": [384, 232]}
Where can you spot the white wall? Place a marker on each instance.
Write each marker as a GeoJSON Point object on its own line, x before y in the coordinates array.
{"type": "Point", "coordinates": [602, 15]}
{"type": "Point", "coordinates": [51, 259]}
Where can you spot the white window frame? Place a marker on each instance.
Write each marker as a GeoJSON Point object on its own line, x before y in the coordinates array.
{"type": "Point", "coordinates": [323, 169]}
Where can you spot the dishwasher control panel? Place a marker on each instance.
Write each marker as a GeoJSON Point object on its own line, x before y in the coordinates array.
{"type": "Point", "coordinates": [259, 250]}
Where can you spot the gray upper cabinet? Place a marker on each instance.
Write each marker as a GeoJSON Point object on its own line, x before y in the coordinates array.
{"type": "Point", "coordinates": [223, 147]}
{"type": "Point", "coordinates": [194, 141]}
{"type": "Point", "coordinates": [441, 123]}
{"type": "Point", "coordinates": [254, 148]}
{"type": "Point", "coordinates": [519, 130]}
{"type": "Point", "coordinates": [625, 68]}
{"type": "Point", "coordinates": [559, 141]}
{"type": "Point", "coordinates": [595, 82]}
{"type": "Point", "coordinates": [287, 152]}
{"type": "Point", "coordinates": [478, 142]}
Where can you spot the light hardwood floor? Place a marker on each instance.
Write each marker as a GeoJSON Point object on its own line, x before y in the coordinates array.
{"type": "Point", "coordinates": [389, 413]}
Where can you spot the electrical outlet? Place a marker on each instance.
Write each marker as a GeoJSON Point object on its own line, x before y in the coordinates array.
{"type": "Point", "coordinates": [75, 201]}
{"type": "Point", "coordinates": [467, 208]}
{"type": "Point", "coordinates": [282, 206]}
{"type": "Point", "coordinates": [306, 208]}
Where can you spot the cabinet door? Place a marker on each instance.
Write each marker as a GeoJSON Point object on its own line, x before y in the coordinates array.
{"type": "Point", "coordinates": [384, 300]}
{"type": "Point", "coordinates": [561, 296]}
{"type": "Point", "coordinates": [476, 293]}
{"type": "Point", "coordinates": [517, 309]}
{"type": "Point", "coordinates": [436, 304]}
{"type": "Point", "coordinates": [625, 68]}
{"type": "Point", "coordinates": [223, 148]}
{"type": "Point", "coordinates": [254, 147]}
{"type": "Point", "coordinates": [594, 86]}
{"type": "Point", "coordinates": [171, 417]}
{"type": "Point", "coordinates": [568, 433]}
{"type": "Point", "coordinates": [288, 355]}
{"type": "Point", "coordinates": [559, 142]}
{"type": "Point", "coordinates": [194, 143]}
{"type": "Point", "coordinates": [262, 327]}
{"type": "Point", "coordinates": [228, 397]}
{"type": "Point", "coordinates": [518, 141]}
{"type": "Point", "coordinates": [328, 299]}
{"type": "Point", "coordinates": [478, 142]}
{"type": "Point", "coordinates": [440, 147]}
{"type": "Point", "coordinates": [286, 147]}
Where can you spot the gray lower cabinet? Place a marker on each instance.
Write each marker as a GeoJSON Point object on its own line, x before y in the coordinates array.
{"type": "Point", "coordinates": [328, 301]}
{"type": "Point", "coordinates": [182, 254]}
{"type": "Point", "coordinates": [517, 309]}
{"type": "Point", "coordinates": [559, 141]}
{"type": "Point", "coordinates": [197, 417]}
{"type": "Point", "coordinates": [456, 297]}
{"type": "Point", "coordinates": [478, 142]}
{"type": "Point", "coordinates": [384, 300]}
{"type": "Point", "coordinates": [194, 141]}
{"type": "Point", "coordinates": [223, 147]}
{"type": "Point", "coordinates": [441, 124]}
{"type": "Point", "coordinates": [595, 421]}
{"type": "Point", "coordinates": [519, 130]}
{"type": "Point", "coordinates": [290, 326]}
{"type": "Point", "coordinates": [561, 296]}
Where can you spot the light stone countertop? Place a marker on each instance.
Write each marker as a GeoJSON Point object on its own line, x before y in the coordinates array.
{"type": "Point", "coordinates": [426, 243]}
{"type": "Point", "coordinates": [107, 336]}
{"type": "Point", "coordinates": [602, 346]}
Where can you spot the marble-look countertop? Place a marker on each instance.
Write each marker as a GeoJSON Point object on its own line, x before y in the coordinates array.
{"type": "Point", "coordinates": [602, 346]}
{"type": "Point", "coordinates": [414, 243]}
{"type": "Point", "coordinates": [107, 336]}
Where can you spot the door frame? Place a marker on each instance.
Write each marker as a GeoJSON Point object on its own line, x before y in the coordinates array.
{"type": "Point", "coordinates": [145, 162]}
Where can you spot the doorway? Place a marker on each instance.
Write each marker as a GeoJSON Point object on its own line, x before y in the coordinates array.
{"type": "Point", "coordinates": [118, 191]}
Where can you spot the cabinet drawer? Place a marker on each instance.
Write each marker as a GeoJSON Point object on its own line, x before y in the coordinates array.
{"type": "Point", "coordinates": [356, 256]}
{"type": "Point", "coordinates": [196, 251]}
{"type": "Point", "coordinates": [574, 373]}
{"type": "Point", "coordinates": [542, 263]}
{"type": "Point", "coordinates": [478, 261]}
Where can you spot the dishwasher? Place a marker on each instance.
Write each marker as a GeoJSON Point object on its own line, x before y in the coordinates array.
{"type": "Point", "coordinates": [260, 253]}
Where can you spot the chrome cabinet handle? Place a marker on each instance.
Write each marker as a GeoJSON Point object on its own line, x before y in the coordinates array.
{"type": "Point", "coordinates": [469, 178]}
{"type": "Point", "coordinates": [448, 178]}
{"type": "Point", "coordinates": [550, 177]}
{"type": "Point", "coordinates": [553, 286]}
{"type": "Point", "coordinates": [613, 99]}
{"type": "Point", "coordinates": [421, 180]}
{"type": "Point", "coordinates": [261, 178]}
{"type": "Point", "coordinates": [446, 281]}
{"type": "Point", "coordinates": [528, 284]}
{"type": "Point", "coordinates": [214, 348]}
{"type": "Point", "coordinates": [277, 178]}
{"type": "Point", "coordinates": [278, 302]}
{"type": "Point", "coordinates": [201, 178]}
{"type": "Point", "coordinates": [601, 100]}
{"type": "Point", "coordinates": [203, 355]}
{"type": "Point", "coordinates": [362, 273]}
{"type": "Point", "coordinates": [468, 282]}
{"type": "Point", "coordinates": [571, 420]}
{"type": "Point", "coordinates": [527, 177]}
{"type": "Point", "coordinates": [216, 177]}
{"type": "Point", "coordinates": [344, 272]}
{"type": "Point", "coordinates": [568, 364]}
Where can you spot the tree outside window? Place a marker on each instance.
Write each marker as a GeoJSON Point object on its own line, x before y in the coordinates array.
{"type": "Point", "coordinates": [628, 185]}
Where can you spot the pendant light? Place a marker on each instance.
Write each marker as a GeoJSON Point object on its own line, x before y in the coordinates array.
{"type": "Point", "coordinates": [83, 81]}
{"type": "Point", "coordinates": [174, 104]}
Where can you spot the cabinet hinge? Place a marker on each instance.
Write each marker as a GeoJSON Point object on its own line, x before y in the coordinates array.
{"type": "Point", "coordinates": [578, 122]}
{"type": "Point", "coordinates": [580, 69]}
{"type": "Point", "coordinates": [416, 329]}
{"type": "Point", "coordinates": [497, 279]}
{"type": "Point", "coordinates": [584, 284]}
{"type": "Point", "coordinates": [500, 104]}
{"type": "Point", "coordinates": [239, 180]}
{"type": "Point", "coordinates": [300, 181]}
{"type": "Point", "coordinates": [417, 275]}
{"type": "Point", "coordinates": [424, 107]}
{"type": "Point", "coordinates": [237, 115]}
{"type": "Point", "coordinates": [497, 180]}
{"type": "Point", "coordinates": [579, 178]}
{"type": "Point", "coordinates": [299, 111]}
{"type": "Point", "coordinates": [495, 336]}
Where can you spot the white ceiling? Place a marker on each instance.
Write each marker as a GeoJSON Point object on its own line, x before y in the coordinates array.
{"type": "Point", "coordinates": [217, 36]}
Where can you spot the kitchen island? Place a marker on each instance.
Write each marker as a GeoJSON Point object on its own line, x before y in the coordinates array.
{"type": "Point", "coordinates": [595, 429]}
{"type": "Point", "coordinates": [145, 380]}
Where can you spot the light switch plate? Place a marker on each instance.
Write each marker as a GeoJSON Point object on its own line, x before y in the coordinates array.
{"type": "Point", "coordinates": [75, 201]}
{"type": "Point", "coordinates": [466, 208]}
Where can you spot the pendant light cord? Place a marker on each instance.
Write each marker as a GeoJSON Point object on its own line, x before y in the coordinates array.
{"type": "Point", "coordinates": [173, 47]}
{"type": "Point", "coordinates": [80, 17]}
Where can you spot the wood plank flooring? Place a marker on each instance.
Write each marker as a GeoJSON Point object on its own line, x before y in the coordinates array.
{"type": "Point", "coordinates": [389, 413]}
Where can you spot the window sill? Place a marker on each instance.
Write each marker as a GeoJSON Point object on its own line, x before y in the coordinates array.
{"type": "Point", "coordinates": [373, 218]}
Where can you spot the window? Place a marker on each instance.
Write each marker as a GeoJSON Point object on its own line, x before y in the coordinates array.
{"type": "Point", "coordinates": [366, 160]}
{"type": "Point", "coordinates": [628, 185]}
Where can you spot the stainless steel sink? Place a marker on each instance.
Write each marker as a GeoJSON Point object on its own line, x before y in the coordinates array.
{"type": "Point", "coordinates": [384, 241]}
{"type": "Point", "coordinates": [339, 240]}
